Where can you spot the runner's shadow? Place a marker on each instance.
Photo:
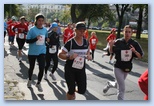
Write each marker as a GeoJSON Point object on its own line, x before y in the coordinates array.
{"type": "Point", "coordinates": [104, 67]}
{"type": "Point", "coordinates": [23, 71]}
{"type": "Point", "coordinates": [34, 97]}
{"type": "Point", "coordinates": [41, 96]}
{"type": "Point", "coordinates": [5, 53]}
{"type": "Point", "coordinates": [99, 73]}
{"type": "Point", "coordinates": [58, 91]}
{"type": "Point", "coordinates": [89, 96]}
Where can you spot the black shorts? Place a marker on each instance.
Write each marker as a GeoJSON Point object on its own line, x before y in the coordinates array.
{"type": "Point", "coordinates": [20, 43]}
{"type": "Point", "coordinates": [75, 77]}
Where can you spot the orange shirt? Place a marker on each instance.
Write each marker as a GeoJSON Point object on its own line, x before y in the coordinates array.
{"type": "Point", "coordinates": [86, 35]}
{"type": "Point", "coordinates": [93, 42]}
{"type": "Point", "coordinates": [111, 37]}
{"type": "Point", "coordinates": [67, 33]}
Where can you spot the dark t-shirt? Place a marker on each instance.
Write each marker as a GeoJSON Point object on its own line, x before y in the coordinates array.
{"type": "Point", "coordinates": [73, 47]}
{"type": "Point", "coordinates": [124, 55]}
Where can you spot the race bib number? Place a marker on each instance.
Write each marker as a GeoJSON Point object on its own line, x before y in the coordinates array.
{"type": "Point", "coordinates": [21, 35]}
{"type": "Point", "coordinates": [126, 55]}
{"type": "Point", "coordinates": [93, 41]}
{"type": "Point", "coordinates": [53, 49]}
{"type": "Point", "coordinates": [78, 63]}
{"type": "Point", "coordinates": [41, 40]}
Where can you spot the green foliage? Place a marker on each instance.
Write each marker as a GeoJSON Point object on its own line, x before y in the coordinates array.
{"type": "Point", "coordinates": [11, 10]}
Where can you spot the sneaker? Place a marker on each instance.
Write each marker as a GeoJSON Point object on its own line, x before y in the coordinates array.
{"type": "Point", "coordinates": [45, 76]}
{"type": "Point", "coordinates": [52, 76]}
{"type": "Point", "coordinates": [110, 62]}
{"type": "Point", "coordinates": [106, 88]}
{"type": "Point", "coordinates": [39, 87]}
{"type": "Point", "coordinates": [29, 83]}
{"type": "Point", "coordinates": [103, 55]}
{"type": "Point", "coordinates": [20, 58]}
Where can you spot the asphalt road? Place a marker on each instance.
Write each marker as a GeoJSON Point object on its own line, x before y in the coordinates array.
{"type": "Point", "coordinates": [98, 73]}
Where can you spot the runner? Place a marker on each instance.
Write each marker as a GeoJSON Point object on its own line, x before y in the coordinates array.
{"type": "Point", "coordinates": [143, 84]}
{"type": "Point", "coordinates": [74, 52]}
{"type": "Point", "coordinates": [111, 37]}
{"type": "Point", "coordinates": [125, 49]}
{"type": "Point", "coordinates": [67, 32]}
{"type": "Point", "coordinates": [93, 42]}
{"type": "Point", "coordinates": [5, 29]}
{"type": "Point", "coordinates": [11, 33]}
{"type": "Point", "coordinates": [22, 30]}
{"type": "Point", "coordinates": [52, 50]}
{"type": "Point", "coordinates": [37, 49]}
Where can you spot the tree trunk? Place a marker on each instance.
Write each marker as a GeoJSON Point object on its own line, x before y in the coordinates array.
{"type": "Point", "coordinates": [139, 23]}
{"type": "Point", "coordinates": [119, 28]}
{"type": "Point", "coordinates": [73, 15]}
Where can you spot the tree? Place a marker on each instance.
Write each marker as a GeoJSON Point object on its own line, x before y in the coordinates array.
{"type": "Point", "coordinates": [121, 8]}
{"type": "Point", "coordinates": [11, 9]}
{"type": "Point", "coordinates": [92, 12]}
{"type": "Point", "coordinates": [141, 8]}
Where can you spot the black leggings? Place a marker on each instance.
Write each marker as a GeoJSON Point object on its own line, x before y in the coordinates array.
{"type": "Point", "coordinates": [54, 57]}
{"type": "Point", "coordinates": [75, 77]}
{"type": "Point", "coordinates": [20, 43]}
{"type": "Point", "coordinates": [92, 54]}
{"type": "Point", "coordinates": [4, 34]}
{"type": "Point", "coordinates": [41, 61]}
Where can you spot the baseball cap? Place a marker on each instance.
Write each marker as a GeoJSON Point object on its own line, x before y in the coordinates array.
{"type": "Point", "coordinates": [54, 24]}
{"type": "Point", "coordinates": [80, 25]}
{"type": "Point", "coordinates": [22, 17]}
{"type": "Point", "coordinates": [113, 29]}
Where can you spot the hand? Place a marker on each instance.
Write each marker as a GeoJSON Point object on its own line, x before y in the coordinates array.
{"type": "Point", "coordinates": [39, 37]}
{"type": "Point", "coordinates": [48, 40]}
{"type": "Point", "coordinates": [111, 42]}
{"type": "Point", "coordinates": [73, 56]}
{"type": "Point", "coordinates": [89, 57]}
{"type": "Point", "coordinates": [132, 48]}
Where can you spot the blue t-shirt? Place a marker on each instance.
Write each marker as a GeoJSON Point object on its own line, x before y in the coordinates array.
{"type": "Point", "coordinates": [39, 46]}
{"type": "Point", "coordinates": [5, 26]}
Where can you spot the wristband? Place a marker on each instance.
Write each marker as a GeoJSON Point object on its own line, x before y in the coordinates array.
{"type": "Point", "coordinates": [67, 56]}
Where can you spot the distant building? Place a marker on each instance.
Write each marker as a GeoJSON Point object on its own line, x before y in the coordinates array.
{"type": "Point", "coordinates": [45, 7]}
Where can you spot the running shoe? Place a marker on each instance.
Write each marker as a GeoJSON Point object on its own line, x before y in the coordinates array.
{"type": "Point", "coordinates": [52, 76]}
{"type": "Point", "coordinates": [45, 76]}
{"type": "Point", "coordinates": [106, 88]}
{"type": "Point", "coordinates": [29, 83]}
{"type": "Point", "coordinates": [39, 87]}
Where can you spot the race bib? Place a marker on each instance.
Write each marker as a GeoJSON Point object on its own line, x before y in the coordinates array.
{"type": "Point", "coordinates": [53, 49]}
{"type": "Point", "coordinates": [41, 40]}
{"type": "Point", "coordinates": [93, 41]}
{"type": "Point", "coordinates": [78, 63]}
{"type": "Point", "coordinates": [126, 55]}
{"type": "Point", "coordinates": [21, 35]}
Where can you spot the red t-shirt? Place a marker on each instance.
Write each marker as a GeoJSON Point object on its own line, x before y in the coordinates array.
{"type": "Point", "coordinates": [9, 28]}
{"type": "Point", "coordinates": [21, 29]}
{"type": "Point", "coordinates": [67, 33]}
{"type": "Point", "coordinates": [93, 42]}
{"type": "Point", "coordinates": [111, 37]}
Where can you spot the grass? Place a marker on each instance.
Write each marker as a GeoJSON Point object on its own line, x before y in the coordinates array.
{"type": "Point", "coordinates": [102, 35]}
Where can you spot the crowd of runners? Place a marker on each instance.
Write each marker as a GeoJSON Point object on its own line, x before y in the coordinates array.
{"type": "Point", "coordinates": [78, 45]}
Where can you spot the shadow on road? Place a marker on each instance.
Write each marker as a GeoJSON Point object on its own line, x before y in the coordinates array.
{"type": "Point", "coordinates": [58, 91]}
{"type": "Point", "coordinates": [34, 97]}
{"type": "Point", "coordinates": [89, 96]}
{"type": "Point", "coordinates": [5, 53]}
{"type": "Point", "coordinates": [99, 73]}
